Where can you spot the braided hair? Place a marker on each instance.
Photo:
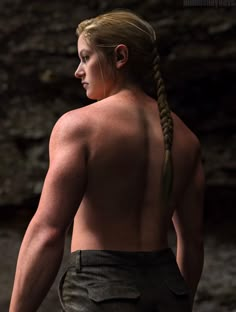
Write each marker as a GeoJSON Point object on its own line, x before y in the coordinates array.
{"type": "Point", "coordinates": [167, 127]}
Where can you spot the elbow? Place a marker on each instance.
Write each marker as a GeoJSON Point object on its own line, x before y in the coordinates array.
{"type": "Point", "coordinates": [54, 235]}
{"type": "Point", "coordinates": [47, 234]}
{"type": "Point", "coordinates": [197, 239]}
{"type": "Point", "coordinates": [193, 240]}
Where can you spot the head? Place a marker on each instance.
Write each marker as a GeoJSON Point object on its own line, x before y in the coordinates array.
{"type": "Point", "coordinates": [127, 44]}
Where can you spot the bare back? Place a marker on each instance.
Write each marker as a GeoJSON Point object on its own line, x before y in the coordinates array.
{"type": "Point", "coordinates": [121, 208]}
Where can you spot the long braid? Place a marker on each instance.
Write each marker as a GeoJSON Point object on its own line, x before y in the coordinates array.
{"type": "Point", "coordinates": [167, 127]}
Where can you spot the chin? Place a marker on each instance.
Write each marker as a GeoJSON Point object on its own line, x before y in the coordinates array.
{"type": "Point", "coordinates": [94, 97]}
{"type": "Point", "coordinates": [91, 96]}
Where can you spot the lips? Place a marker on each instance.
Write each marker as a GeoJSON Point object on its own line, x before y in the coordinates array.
{"type": "Point", "coordinates": [84, 84]}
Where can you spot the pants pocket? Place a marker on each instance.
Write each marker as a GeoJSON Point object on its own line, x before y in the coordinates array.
{"type": "Point", "coordinates": [177, 285]}
{"type": "Point", "coordinates": [59, 291]}
{"type": "Point", "coordinates": [100, 292]}
{"type": "Point", "coordinates": [176, 296]}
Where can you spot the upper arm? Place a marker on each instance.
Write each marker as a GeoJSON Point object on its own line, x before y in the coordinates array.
{"type": "Point", "coordinates": [188, 214]}
{"type": "Point", "coordinates": [65, 181]}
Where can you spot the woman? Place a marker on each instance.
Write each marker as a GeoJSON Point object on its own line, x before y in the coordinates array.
{"type": "Point", "coordinates": [120, 175]}
{"type": "Point", "coordinates": [119, 62]}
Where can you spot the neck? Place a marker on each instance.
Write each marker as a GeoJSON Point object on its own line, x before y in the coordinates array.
{"type": "Point", "coordinates": [126, 86]}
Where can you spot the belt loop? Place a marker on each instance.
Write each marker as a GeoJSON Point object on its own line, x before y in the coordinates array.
{"type": "Point", "coordinates": [78, 262]}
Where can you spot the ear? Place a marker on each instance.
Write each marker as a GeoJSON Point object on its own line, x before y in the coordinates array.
{"type": "Point", "coordinates": [121, 55]}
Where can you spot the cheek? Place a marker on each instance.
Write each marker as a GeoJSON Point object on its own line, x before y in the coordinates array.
{"type": "Point", "coordinates": [108, 75]}
{"type": "Point", "coordinates": [105, 69]}
{"type": "Point", "coordinates": [94, 68]}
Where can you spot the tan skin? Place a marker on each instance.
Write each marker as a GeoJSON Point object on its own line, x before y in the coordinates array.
{"type": "Point", "coordinates": [104, 174]}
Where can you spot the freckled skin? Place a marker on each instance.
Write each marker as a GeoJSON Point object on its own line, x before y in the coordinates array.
{"type": "Point", "coordinates": [104, 174]}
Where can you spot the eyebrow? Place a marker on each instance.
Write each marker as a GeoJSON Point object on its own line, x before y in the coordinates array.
{"type": "Point", "coordinates": [83, 51]}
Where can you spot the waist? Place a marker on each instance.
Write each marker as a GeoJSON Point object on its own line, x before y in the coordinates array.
{"type": "Point", "coordinates": [113, 257]}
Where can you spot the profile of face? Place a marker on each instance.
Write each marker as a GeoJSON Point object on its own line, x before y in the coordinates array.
{"type": "Point", "coordinates": [93, 71]}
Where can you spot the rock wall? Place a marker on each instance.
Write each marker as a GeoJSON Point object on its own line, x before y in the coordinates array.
{"type": "Point", "coordinates": [38, 57]}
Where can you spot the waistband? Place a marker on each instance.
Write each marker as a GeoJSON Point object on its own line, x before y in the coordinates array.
{"type": "Point", "coordinates": [112, 257]}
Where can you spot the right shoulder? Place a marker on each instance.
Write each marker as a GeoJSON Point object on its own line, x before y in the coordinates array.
{"type": "Point", "coordinates": [73, 126]}
{"type": "Point", "coordinates": [80, 119]}
{"type": "Point", "coordinates": [81, 122]}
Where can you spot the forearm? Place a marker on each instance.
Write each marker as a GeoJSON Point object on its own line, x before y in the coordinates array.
{"type": "Point", "coordinates": [38, 263]}
{"type": "Point", "coordinates": [190, 257]}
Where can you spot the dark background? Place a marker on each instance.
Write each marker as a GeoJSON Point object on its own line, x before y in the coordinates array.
{"type": "Point", "coordinates": [38, 58]}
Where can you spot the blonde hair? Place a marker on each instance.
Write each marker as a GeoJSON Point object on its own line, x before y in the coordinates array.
{"type": "Point", "coordinates": [108, 30]}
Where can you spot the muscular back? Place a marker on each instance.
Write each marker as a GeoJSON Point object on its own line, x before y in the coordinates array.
{"type": "Point", "coordinates": [121, 208]}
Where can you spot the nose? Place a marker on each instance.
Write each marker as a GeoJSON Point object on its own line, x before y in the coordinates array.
{"type": "Point", "coordinates": [79, 73]}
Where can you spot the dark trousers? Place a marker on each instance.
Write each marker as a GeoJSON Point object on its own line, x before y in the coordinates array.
{"type": "Point", "coordinates": [121, 281]}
